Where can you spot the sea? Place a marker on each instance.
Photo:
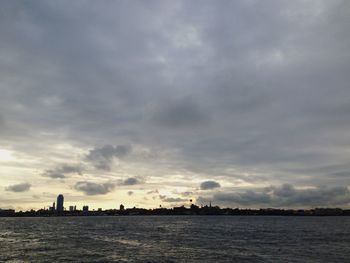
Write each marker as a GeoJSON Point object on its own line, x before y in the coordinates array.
{"type": "Point", "coordinates": [175, 239]}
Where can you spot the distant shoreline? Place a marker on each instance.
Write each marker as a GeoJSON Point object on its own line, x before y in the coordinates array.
{"type": "Point", "coordinates": [55, 216]}
{"type": "Point", "coordinates": [179, 211]}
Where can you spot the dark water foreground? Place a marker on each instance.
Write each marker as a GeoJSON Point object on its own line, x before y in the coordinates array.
{"type": "Point", "coordinates": [175, 239]}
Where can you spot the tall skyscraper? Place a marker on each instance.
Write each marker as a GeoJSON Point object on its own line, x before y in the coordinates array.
{"type": "Point", "coordinates": [60, 200]}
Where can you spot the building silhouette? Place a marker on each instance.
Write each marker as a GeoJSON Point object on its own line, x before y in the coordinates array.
{"type": "Point", "coordinates": [121, 207]}
{"type": "Point", "coordinates": [60, 200]}
{"type": "Point", "coordinates": [85, 208]}
{"type": "Point", "coordinates": [53, 207]}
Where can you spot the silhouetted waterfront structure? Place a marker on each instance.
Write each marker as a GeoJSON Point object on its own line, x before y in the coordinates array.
{"type": "Point", "coordinates": [53, 207]}
{"type": "Point", "coordinates": [7, 212]}
{"type": "Point", "coordinates": [180, 210]}
{"type": "Point", "coordinates": [60, 200]}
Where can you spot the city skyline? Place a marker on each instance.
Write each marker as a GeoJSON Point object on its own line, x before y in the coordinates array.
{"type": "Point", "coordinates": [243, 103]}
{"type": "Point", "coordinates": [193, 209]}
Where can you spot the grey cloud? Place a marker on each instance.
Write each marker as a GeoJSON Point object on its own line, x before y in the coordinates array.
{"type": "Point", "coordinates": [186, 193]}
{"type": "Point", "coordinates": [71, 169]}
{"type": "Point", "coordinates": [208, 185]}
{"type": "Point", "coordinates": [130, 193]}
{"type": "Point", "coordinates": [22, 187]}
{"type": "Point", "coordinates": [345, 174]}
{"type": "Point", "coordinates": [210, 167]}
{"type": "Point", "coordinates": [240, 99]}
{"type": "Point", "coordinates": [131, 181]}
{"type": "Point", "coordinates": [274, 100]}
{"type": "Point", "coordinates": [90, 188]}
{"type": "Point", "coordinates": [330, 174]}
{"type": "Point", "coordinates": [62, 170]}
{"type": "Point", "coordinates": [181, 114]}
{"type": "Point", "coordinates": [2, 122]}
{"type": "Point", "coordinates": [153, 192]}
{"type": "Point", "coordinates": [324, 196]}
{"type": "Point", "coordinates": [54, 174]}
{"type": "Point", "coordinates": [102, 158]}
{"type": "Point", "coordinates": [286, 196]}
{"type": "Point", "coordinates": [286, 190]}
{"type": "Point", "coordinates": [246, 198]}
{"type": "Point", "coordinates": [172, 199]}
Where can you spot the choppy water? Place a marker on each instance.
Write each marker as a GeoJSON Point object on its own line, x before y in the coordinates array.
{"type": "Point", "coordinates": [175, 239]}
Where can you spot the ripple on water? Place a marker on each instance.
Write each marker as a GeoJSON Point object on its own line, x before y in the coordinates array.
{"type": "Point", "coordinates": [175, 239]}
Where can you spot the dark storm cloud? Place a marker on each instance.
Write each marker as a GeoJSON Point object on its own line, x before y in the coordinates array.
{"type": "Point", "coordinates": [229, 86]}
{"type": "Point", "coordinates": [285, 196]}
{"type": "Point", "coordinates": [62, 170]}
{"type": "Point", "coordinates": [131, 181]}
{"type": "Point", "coordinates": [286, 190]}
{"type": "Point", "coordinates": [90, 188]}
{"type": "Point", "coordinates": [322, 196]}
{"type": "Point", "coordinates": [102, 158]}
{"type": "Point", "coordinates": [23, 187]}
{"type": "Point", "coordinates": [208, 185]}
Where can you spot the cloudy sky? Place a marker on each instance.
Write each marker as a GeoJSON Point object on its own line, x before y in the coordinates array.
{"type": "Point", "coordinates": [245, 103]}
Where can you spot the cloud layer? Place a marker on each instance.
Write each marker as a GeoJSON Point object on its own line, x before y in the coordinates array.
{"type": "Point", "coordinates": [90, 188]}
{"type": "Point", "coordinates": [246, 93]}
{"type": "Point", "coordinates": [208, 185]}
{"type": "Point", "coordinates": [62, 170]}
{"type": "Point", "coordinates": [102, 158]}
{"type": "Point", "coordinates": [285, 196]}
{"type": "Point", "coordinates": [22, 187]}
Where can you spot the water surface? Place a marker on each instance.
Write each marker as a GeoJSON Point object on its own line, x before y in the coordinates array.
{"type": "Point", "coordinates": [175, 239]}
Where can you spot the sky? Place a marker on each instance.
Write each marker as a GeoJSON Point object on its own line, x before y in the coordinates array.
{"type": "Point", "coordinates": [145, 103]}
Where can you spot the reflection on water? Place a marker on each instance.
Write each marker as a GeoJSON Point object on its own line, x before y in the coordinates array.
{"type": "Point", "coordinates": [175, 239]}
